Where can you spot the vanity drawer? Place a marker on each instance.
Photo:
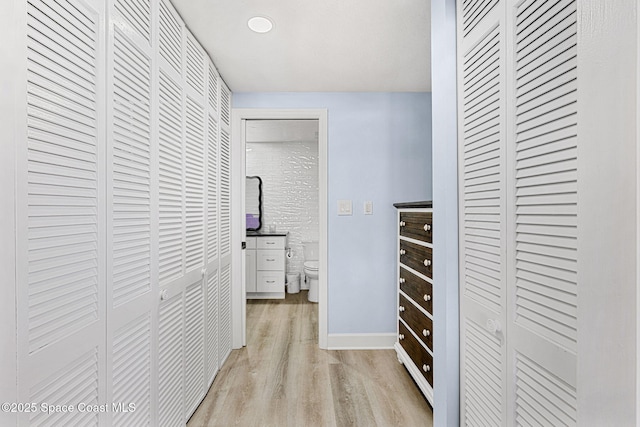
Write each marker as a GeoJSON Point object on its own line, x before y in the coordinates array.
{"type": "Point", "coordinates": [271, 242]}
{"type": "Point", "coordinates": [421, 324]}
{"type": "Point", "coordinates": [417, 289]}
{"type": "Point", "coordinates": [267, 281]}
{"type": "Point", "coordinates": [417, 225]}
{"type": "Point", "coordinates": [270, 260]}
{"type": "Point", "coordinates": [418, 354]}
{"type": "Point", "coordinates": [418, 257]}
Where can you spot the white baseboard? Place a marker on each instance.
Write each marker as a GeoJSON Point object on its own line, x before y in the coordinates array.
{"type": "Point", "coordinates": [361, 341]}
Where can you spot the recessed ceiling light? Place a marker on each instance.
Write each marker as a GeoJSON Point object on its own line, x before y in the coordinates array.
{"type": "Point", "coordinates": [260, 24]}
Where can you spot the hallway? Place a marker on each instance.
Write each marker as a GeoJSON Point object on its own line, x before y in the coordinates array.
{"type": "Point", "coordinates": [269, 382]}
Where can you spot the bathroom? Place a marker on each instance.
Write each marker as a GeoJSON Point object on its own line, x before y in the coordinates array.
{"type": "Point", "coordinates": [283, 154]}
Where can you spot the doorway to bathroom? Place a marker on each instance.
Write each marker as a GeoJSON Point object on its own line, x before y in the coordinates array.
{"type": "Point", "coordinates": [295, 142]}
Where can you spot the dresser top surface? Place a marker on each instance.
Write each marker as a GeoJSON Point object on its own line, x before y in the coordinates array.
{"type": "Point", "coordinates": [414, 205]}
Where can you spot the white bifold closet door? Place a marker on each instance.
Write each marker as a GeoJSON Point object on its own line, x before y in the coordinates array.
{"type": "Point", "coordinates": [61, 213]}
{"type": "Point", "coordinates": [130, 268]}
{"type": "Point", "coordinates": [124, 244]}
{"type": "Point", "coordinates": [518, 223]}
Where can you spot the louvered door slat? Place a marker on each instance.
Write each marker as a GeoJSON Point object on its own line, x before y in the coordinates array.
{"type": "Point", "coordinates": [483, 356]}
{"type": "Point", "coordinates": [212, 190]}
{"type": "Point", "coordinates": [131, 171]}
{"type": "Point", "coordinates": [194, 185]}
{"type": "Point", "coordinates": [224, 314]}
{"type": "Point", "coordinates": [170, 37]}
{"type": "Point", "coordinates": [225, 193]}
{"type": "Point", "coordinates": [552, 164]}
{"type": "Point", "coordinates": [542, 397]}
{"type": "Point", "coordinates": [63, 245]}
{"type": "Point", "coordinates": [212, 324]}
{"type": "Point", "coordinates": [171, 362]}
{"type": "Point", "coordinates": [138, 15]}
{"type": "Point", "coordinates": [78, 380]}
{"type": "Point", "coordinates": [213, 90]}
{"type": "Point", "coordinates": [170, 179]}
{"type": "Point", "coordinates": [195, 65]}
{"type": "Point", "coordinates": [194, 347]}
{"type": "Point", "coordinates": [474, 12]}
{"type": "Point", "coordinates": [132, 371]}
{"type": "Point", "coordinates": [225, 103]}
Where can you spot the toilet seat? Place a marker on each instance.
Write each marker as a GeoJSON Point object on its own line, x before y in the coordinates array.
{"type": "Point", "coordinates": [311, 265]}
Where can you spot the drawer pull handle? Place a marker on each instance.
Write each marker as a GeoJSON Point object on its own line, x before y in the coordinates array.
{"type": "Point", "coordinates": [402, 280]}
{"type": "Point", "coordinates": [402, 252]}
{"type": "Point", "coordinates": [426, 332]}
{"type": "Point", "coordinates": [271, 259]}
{"type": "Point", "coordinates": [401, 309]}
{"type": "Point", "coordinates": [402, 223]}
{"type": "Point", "coordinates": [400, 337]}
{"type": "Point", "coordinates": [271, 281]}
{"type": "Point", "coordinates": [426, 368]}
{"type": "Point", "coordinates": [427, 227]}
{"type": "Point", "coordinates": [427, 297]}
{"type": "Point", "coordinates": [427, 262]}
{"type": "Point", "coordinates": [270, 243]}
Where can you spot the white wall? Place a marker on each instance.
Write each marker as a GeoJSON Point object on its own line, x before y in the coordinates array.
{"type": "Point", "coordinates": [445, 213]}
{"type": "Point", "coordinates": [290, 186]}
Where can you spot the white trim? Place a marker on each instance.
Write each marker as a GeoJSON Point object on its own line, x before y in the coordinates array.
{"type": "Point", "coordinates": [13, 126]}
{"type": "Point", "coordinates": [238, 116]}
{"type": "Point", "coordinates": [637, 17]}
{"type": "Point", "coordinates": [362, 341]}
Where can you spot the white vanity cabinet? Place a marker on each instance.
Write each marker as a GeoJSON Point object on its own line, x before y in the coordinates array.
{"type": "Point", "coordinates": [250, 262]}
{"type": "Point", "coordinates": [265, 266]}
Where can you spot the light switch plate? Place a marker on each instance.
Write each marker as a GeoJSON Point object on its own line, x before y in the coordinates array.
{"type": "Point", "coordinates": [344, 207]}
{"type": "Point", "coordinates": [368, 207]}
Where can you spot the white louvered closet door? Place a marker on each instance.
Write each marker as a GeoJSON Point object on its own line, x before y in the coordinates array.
{"type": "Point", "coordinates": [60, 219]}
{"type": "Point", "coordinates": [225, 331]}
{"type": "Point", "coordinates": [212, 218]}
{"type": "Point", "coordinates": [195, 179]}
{"type": "Point", "coordinates": [481, 76]}
{"type": "Point", "coordinates": [129, 220]}
{"type": "Point", "coordinates": [542, 242]}
{"type": "Point", "coordinates": [517, 93]}
{"type": "Point", "coordinates": [171, 217]}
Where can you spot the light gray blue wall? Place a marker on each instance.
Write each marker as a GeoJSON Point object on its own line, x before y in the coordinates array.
{"type": "Point", "coordinates": [445, 214]}
{"type": "Point", "coordinates": [379, 149]}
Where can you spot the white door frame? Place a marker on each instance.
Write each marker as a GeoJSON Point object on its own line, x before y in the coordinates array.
{"type": "Point", "coordinates": [238, 227]}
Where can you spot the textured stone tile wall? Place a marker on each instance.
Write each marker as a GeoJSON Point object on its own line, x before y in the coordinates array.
{"type": "Point", "coordinates": [289, 172]}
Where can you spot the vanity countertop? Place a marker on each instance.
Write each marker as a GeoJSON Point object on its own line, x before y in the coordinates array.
{"type": "Point", "coordinates": [265, 234]}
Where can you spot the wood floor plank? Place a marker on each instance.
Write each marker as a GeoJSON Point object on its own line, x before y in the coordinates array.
{"type": "Point", "coordinates": [283, 379]}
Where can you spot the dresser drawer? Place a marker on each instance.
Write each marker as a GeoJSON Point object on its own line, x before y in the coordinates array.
{"type": "Point", "coordinates": [417, 288]}
{"type": "Point", "coordinates": [267, 281]}
{"type": "Point", "coordinates": [275, 242]}
{"type": "Point", "coordinates": [270, 260]}
{"type": "Point", "coordinates": [418, 354]}
{"type": "Point", "coordinates": [418, 257]}
{"type": "Point", "coordinates": [417, 320]}
{"type": "Point", "coordinates": [416, 225]}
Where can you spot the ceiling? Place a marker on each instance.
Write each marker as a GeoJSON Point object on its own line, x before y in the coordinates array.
{"type": "Point", "coordinates": [316, 46]}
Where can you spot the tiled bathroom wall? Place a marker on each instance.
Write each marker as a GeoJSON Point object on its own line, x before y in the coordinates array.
{"type": "Point", "coordinates": [289, 172]}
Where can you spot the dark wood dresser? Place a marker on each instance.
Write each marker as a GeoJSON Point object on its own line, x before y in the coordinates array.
{"type": "Point", "coordinates": [415, 292]}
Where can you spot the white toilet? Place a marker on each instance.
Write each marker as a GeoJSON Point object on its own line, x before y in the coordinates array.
{"type": "Point", "coordinates": [311, 266]}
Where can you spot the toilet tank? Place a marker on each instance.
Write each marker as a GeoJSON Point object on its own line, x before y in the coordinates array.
{"type": "Point", "coordinates": [311, 250]}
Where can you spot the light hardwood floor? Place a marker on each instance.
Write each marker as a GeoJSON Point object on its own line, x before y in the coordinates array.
{"type": "Point", "coordinates": [282, 378]}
